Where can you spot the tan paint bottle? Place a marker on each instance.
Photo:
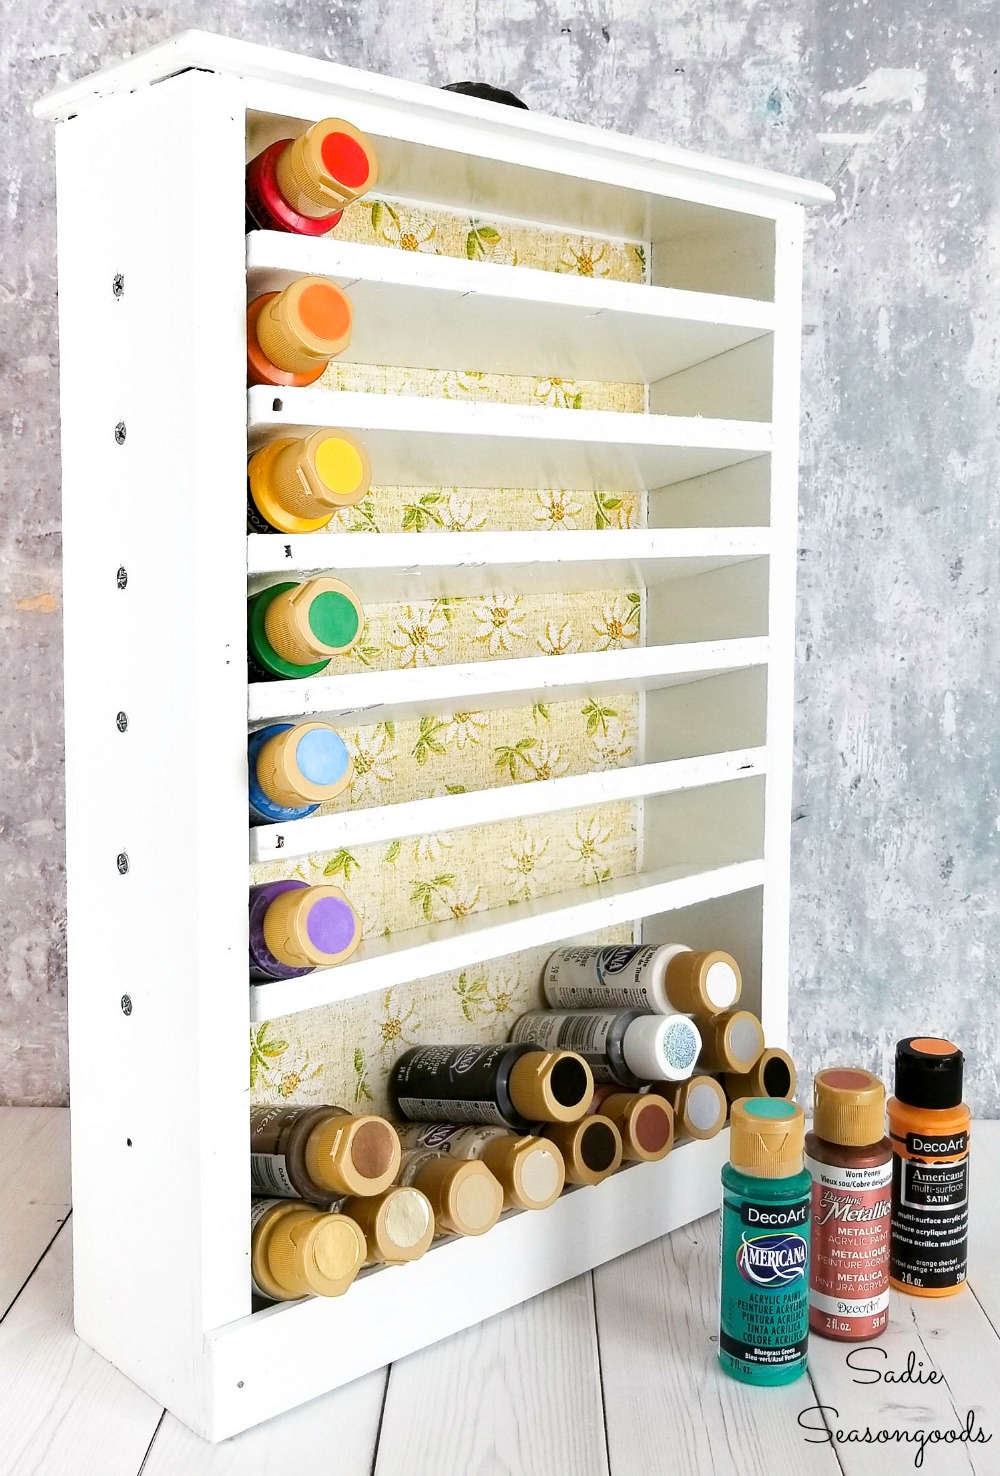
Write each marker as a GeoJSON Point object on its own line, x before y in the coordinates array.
{"type": "Point", "coordinates": [298, 1251]}
{"type": "Point", "coordinates": [397, 1224]}
{"type": "Point", "coordinates": [529, 1170]}
{"type": "Point", "coordinates": [464, 1195]}
{"type": "Point", "coordinates": [317, 1153]}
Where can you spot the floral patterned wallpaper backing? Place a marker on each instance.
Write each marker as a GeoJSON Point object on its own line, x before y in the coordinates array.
{"type": "Point", "coordinates": [343, 1052]}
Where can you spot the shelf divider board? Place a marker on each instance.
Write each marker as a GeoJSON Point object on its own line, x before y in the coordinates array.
{"type": "Point", "coordinates": [437, 948]}
{"type": "Point", "coordinates": [361, 827]}
{"type": "Point", "coordinates": [156, 816]}
{"type": "Point", "coordinates": [420, 311]}
{"type": "Point", "coordinates": [367, 697]}
{"type": "Point", "coordinates": [403, 566]}
{"type": "Point", "coordinates": [412, 439]}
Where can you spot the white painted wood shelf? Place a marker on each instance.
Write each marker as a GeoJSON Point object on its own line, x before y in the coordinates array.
{"type": "Point", "coordinates": [402, 821]}
{"type": "Point", "coordinates": [418, 311]}
{"type": "Point", "coordinates": [371, 697]}
{"type": "Point", "coordinates": [436, 948]}
{"type": "Point", "coordinates": [414, 440]}
{"type": "Point", "coordinates": [157, 827]}
{"type": "Point", "coordinates": [402, 566]}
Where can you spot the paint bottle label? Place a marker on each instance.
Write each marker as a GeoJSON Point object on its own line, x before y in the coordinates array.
{"type": "Point", "coordinates": [268, 1175]}
{"type": "Point", "coordinates": [447, 1138]}
{"type": "Point", "coordinates": [930, 1213]}
{"type": "Point", "coordinates": [849, 1276]}
{"type": "Point", "coordinates": [595, 978]}
{"type": "Point", "coordinates": [583, 1031]}
{"type": "Point", "coordinates": [449, 1109]}
{"type": "Point", "coordinates": [764, 1283]}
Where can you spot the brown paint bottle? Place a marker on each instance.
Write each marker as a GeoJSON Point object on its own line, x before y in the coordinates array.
{"type": "Point", "coordinates": [850, 1160]}
{"type": "Point", "coordinates": [317, 1153]}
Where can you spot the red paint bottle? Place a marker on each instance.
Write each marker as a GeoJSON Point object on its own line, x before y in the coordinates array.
{"type": "Point", "coordinates": [302, 184]}
{"type": "Point", "coordinates": [850, 1160]}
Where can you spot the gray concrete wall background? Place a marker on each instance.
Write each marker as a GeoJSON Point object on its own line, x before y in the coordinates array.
{"type": "Point", "coordinates": [896, 918]}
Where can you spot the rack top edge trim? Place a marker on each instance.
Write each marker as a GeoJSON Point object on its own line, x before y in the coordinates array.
{"type": "Point", "coordinates": [205, 51]}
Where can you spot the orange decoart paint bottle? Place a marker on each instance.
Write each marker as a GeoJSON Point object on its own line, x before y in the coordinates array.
{"type": "Point", "coordinates": [929, 1129]}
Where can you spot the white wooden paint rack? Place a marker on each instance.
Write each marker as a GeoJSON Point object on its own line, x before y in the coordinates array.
{"type": "Point", "coordinates": [153, 277]}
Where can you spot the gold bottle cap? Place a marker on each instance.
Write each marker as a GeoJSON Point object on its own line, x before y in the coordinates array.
{"type": "Point", "coordinates": [353, 1154]}
{"type": "Point", "coordinates": [326, 167]}
{"type": "Point", "coordinates": [551, 1086]}
{"type": "Point", "coordinates": [699, 1104]}
{"type": "Point", "coordinates": [306, 764]}
{"type": "Point", "coordinates": [530, 1170]}
{"type": "Point", "coordinates": [314, 621]}
{"type": "Point", "coordinates": [703, 983]}
{"type": "Point", "coordinates": [297, 485]}
{"type": "Point", "coordinates": [303, 327]}
{"type": "Point", "coordinates": [464, 1195]}
{"type": "Point", "coordinates": [397, 1224]}
{"type": "Point", "coordinates": [773, 1074]}
{"type": "Point", "coordinates": [591, 1148]}
{"type": "Point", "coordinates": [767, 1137]}
{"type": "Point", "coordinates": [311, 1252]}
{"type": "Point", "coordinates": [848, 1106]}
{"type": "Point", "coordinates": [731, 1041]}
{"type": "Point", "coordinates": [645, 1121]}
{"type": "Point", "coordinates": [311, 927]}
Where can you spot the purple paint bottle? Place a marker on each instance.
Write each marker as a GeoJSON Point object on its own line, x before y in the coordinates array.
{"type": "Point", "coordinates": [296, 928]}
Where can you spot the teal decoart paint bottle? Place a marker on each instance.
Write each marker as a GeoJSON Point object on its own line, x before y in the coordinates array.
{"type": "Point", "coordinates": [764, 1257]}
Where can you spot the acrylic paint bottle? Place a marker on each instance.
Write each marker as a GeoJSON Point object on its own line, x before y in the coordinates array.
{"type": "Point", "coordinates": [293, 768]}
{"type": "Point", "coordinates": [645, 1121]}
{"type": "Point", "coordinates": [773, 1074]}
{"type": "Point", "coordinates": [295, 630]}
{"type": "Point", "coordinates": [929, 1129]}
{"type": "Point", "coordinates": [397, 1224]}
{"type": "Point", "coordinates": [764, 1260]}
{"type": "Point", "coordinates": [700, 1106]}
{"type": "Point", "coordinates": [591, 1149]}
{"type": "Point", "coordinates": [293, 335]}
{"type": "Point", "coordinates": [465, 1197]}
{"type": "Point", "coordinates": [627, 1048]}
{"type": "Point", "coordinates": [668, 979]}
{"type": "Point", "coordinates": [296, 928]}
{"type": "Point", "coordinates": [850, 1160]}
{"type": "Point", "coordinates": [298, 1251]}
{"type": "Point", "coordinates": [528, 1169]}
{"type": "Point", "coordinates": [295, 485]}
{"type": "Point", "coordinates": [732, 1041]}
{"type": "Point", "coordinates": [302, 184]}
{"type": "Point", "coordinates": [512, 1086]}
{"type": "Point", "coordinates": [318, 1153]}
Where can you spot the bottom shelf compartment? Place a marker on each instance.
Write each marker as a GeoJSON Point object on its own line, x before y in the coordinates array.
{"type": "Point", "coordinates": [285, 1355]}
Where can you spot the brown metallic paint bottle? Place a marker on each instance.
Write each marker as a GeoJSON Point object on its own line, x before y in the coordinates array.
{"type": "Point", "coordinates": [850, 1160]}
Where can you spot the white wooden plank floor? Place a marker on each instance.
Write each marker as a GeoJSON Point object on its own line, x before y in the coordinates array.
{"type": "Point", "coordinates": [610, 1375]}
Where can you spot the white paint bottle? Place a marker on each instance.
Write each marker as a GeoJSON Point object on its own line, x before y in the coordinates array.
{"type": "Point", "coordinates": [665, 979]}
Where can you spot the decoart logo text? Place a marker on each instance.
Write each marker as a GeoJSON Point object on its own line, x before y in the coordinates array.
{"type": "Point", "coordinates": [772, 1260]}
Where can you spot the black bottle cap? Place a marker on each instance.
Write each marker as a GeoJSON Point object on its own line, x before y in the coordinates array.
{"type": "Point", "coordinates": [928, 1072]}
{"type": "Point", "coordinates": [488, 93]}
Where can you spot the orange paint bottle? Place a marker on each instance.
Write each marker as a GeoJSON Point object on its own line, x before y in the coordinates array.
{"type": "Point", "coordinates": [929, 1130]}
{"type": "Point", "coordinates": [293, 335]}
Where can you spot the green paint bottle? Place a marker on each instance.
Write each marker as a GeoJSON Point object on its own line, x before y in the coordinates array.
{"type": "Point", "coordinates": [764, 1252]}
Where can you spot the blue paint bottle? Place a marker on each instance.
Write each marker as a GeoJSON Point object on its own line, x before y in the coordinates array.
{"type": "Point", "coordinates": [294, 768]}
{"type": "Point", "coordinates": [764, 1255]}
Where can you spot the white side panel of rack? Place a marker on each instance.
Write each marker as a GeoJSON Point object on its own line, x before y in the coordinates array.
{"type": "Point", "coordinates": [781, 621]}
{"type": "Point", "coordinates": [159, 1081]}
